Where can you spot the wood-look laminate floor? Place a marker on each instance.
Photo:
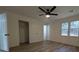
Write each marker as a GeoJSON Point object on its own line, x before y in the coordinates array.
{"type": "Point", "coordinates": [45, 46]}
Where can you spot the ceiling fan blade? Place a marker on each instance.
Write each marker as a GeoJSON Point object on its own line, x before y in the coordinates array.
{"type": "Point", "coordinates": [41, 14]}
{"type": "Point", "coordinates": [54, 14]}
{"type": "Point", "coordinates": [42, 9]}
{"type": "Point", "coordinates": [53, 9]}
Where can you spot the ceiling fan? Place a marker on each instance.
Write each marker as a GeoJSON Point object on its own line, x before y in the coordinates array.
{"type": "Point", "coordinates": [48, 12]}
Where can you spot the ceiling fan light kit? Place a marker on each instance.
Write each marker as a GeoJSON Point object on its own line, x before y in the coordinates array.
{"type": "Point", "coordinates": [47, 16]}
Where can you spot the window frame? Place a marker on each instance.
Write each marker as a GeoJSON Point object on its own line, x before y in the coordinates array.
{"type": "Point", "coordinates": [69, 25]}
{"type": "Point", "coordinates": [64, 29]}
{"type": "Point", "coordinates": [70, 28]}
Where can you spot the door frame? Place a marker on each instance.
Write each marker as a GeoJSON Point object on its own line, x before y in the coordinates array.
{"type": "Point", "coordinates": [19, 30]}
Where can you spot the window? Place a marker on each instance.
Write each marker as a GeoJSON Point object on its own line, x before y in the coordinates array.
{"type": "Point", "coordinates": [64, 31]}
{"type": "Point", "coordinates": [74, 28]}
{"type": "Point", "coordinates": [70, 29]}
{"type": "Point", "coordinates": [46, 29]}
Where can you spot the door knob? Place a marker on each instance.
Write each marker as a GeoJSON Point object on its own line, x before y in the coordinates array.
{"type": "Point", "coordinates": [7, 34]}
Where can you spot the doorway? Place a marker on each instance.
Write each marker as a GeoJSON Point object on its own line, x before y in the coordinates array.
{"type": "Point", "coordinates": [24, 32]}
{"type": "Point", "coordinates": [3, 33]}
{"type": "Point", "coordinates": [46, 32]}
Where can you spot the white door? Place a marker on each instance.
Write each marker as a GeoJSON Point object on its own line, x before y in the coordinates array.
{"type": "Point", "coordinates": [3, 33]}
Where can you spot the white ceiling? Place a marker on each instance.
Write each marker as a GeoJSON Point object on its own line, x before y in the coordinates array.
{"type": "Point", "coordinates": [33, 11]}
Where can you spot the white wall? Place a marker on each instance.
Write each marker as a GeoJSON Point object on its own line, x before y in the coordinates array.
{"type": "Point", "coordinates": [55, 32]}
{"type": "Point", "coordinates": [35, 29]}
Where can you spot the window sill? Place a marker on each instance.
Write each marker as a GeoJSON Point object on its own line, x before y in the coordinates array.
{"type": "Point", "coordinates": [71, 36]}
